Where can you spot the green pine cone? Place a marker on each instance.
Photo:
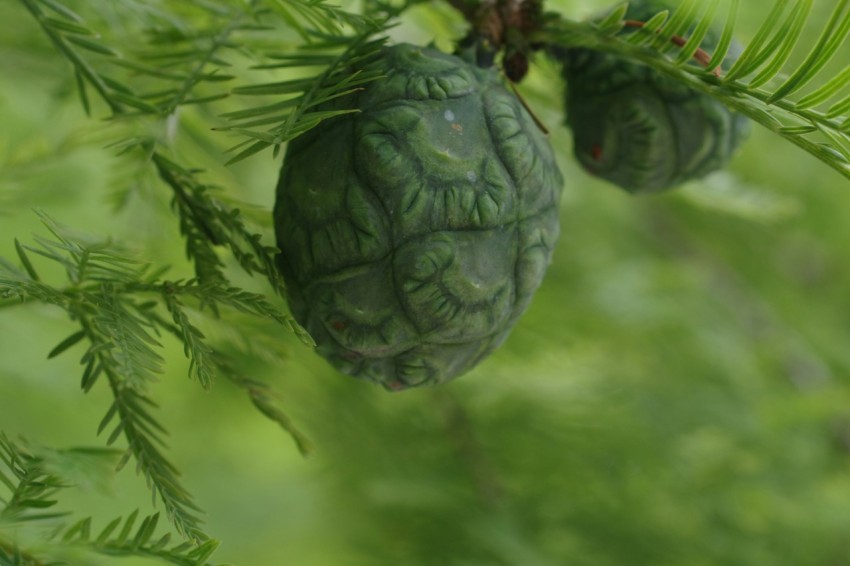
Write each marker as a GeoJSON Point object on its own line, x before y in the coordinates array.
{"type": "Point", "coordinates": [642, 130]}
{"type": "Point", "coordinates": [414, 233]}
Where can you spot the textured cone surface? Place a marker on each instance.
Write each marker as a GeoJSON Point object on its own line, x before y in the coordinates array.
{"type": "Point", "coordinates": [640, 129]}
{"type": "Point", "coordinates": [414, 233]}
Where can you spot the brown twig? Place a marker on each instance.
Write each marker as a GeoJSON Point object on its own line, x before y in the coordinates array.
{"type": "Point", "coordinates": [528, 108]}
{"type": "Point", "coordinates": [700, 55]}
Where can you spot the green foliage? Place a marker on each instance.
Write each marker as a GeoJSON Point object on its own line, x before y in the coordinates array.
{"type": "Point", "coordinates": [32, 488]}
{"type": "Point", "coordinates": [33, 484]}
{"type": "Point", "coordinates": [112, 541]}
{"type": "Point", "coordinates": [754, 85]}
{"type": "Point", "coordinates": [293, 115]}
{"type": "Point", "coordinates": [684, 355]}
{"type": "Point", "coordinates": [104, 297]}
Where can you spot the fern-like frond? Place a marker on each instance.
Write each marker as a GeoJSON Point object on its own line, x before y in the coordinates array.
{"type": "Point", "coordinates": [830, 40]}
{"type": "Point", "coordinates": [194, 345]}
{"type": "Point", "coordinates": [69, 35]}
{"type": "Point", "coordinates": [207, 222]}
{"type": "Point", "coordinates": [264, 399]}
{"type": "Point", "coordinates": [345, 59]}
{"type": "Point", "coordinates": [818, 122]}
{"type": "Point", "coordinates": [214, 295]}
{"type": "Point", "coordinates": [151, 79]}
{"type": "Point", "coordinates": [776, 53]}
{"type": "Point", "coordinates": [144, 438]}
{"type": "Point", "coordinates": [109, 298]}
{"type": "Point", "coordinates": [175, 61]}
{"type": "Point", "coordinates": [243, 301]}
{"type": "Point", "coordinates": [182, 58]}
{"type": "Point", "coordinates": [29, 485]}
{"type": "Point", "coordinates": [30, 488]}
{"type": "Point", "coordinates": [261, 395]}
{"type": "Point", "coordinates": [121, 538]}
{"type": "Point", "coordinates": [17, 287]}
{"type": "Point", "coordinates": [122, 346]}
{"type": "Point", "coordinates": [727, 36]}
{"type": "Point", "coordinates": [309, 17]}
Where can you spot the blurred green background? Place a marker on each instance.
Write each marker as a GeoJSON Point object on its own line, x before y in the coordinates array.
{"type": "Point", "coordinates": [677, 394]}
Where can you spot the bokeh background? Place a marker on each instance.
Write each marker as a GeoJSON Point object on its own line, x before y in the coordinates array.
{"type": "Point", "coordinates": [677, 394]}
